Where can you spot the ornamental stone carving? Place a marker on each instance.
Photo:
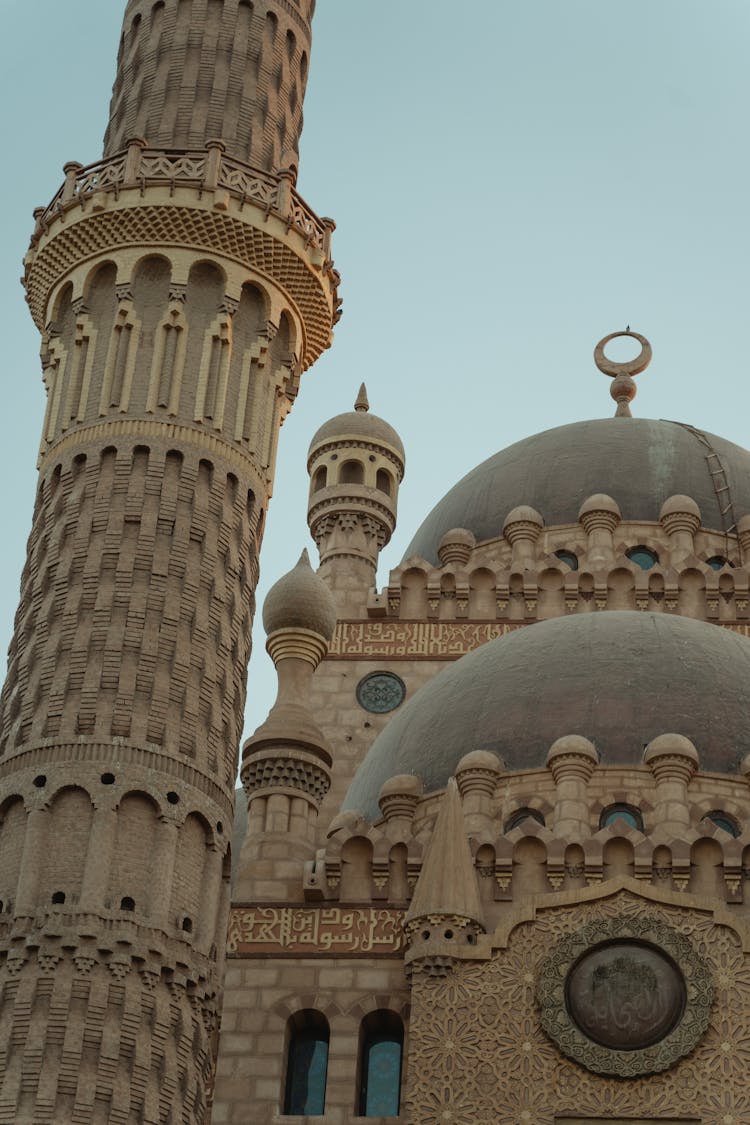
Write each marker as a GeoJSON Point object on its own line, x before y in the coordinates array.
{"type": "Point", "coordinates": [625, 996]}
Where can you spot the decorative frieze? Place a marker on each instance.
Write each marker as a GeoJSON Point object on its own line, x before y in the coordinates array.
{"type": "Point", "coordinates": [315, 932]}
{"type": "Point", "coordinates": [434, 640]}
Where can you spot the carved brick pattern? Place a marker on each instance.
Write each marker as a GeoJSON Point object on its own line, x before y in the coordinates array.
{"type": "Point", "coordinates": [478, 1055]}
{"type": "Point", "coordinates": [182, 86]}
{"type": "Point", "coordinates": [289, 773]}
{"type": "Point", "coordinates": [211, 232]}
{"type": "Point", "coordinates": [136, 608]}
{"type": "Point", "coordinates": [140, 1050]}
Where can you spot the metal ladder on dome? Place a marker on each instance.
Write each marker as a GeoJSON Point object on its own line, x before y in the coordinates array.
{"type": "Point", "coordinates": [720, 482]}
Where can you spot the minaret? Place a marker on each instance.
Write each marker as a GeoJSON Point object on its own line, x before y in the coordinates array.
{"type": "Point", "coordinates": [356, 464]}
{"type": "Point", "coordinates": [182, 287]}
{"type": "Point", "coordinates": [286, 764]}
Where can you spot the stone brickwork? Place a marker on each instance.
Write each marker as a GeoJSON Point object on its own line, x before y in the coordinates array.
{"type": "Point", "coordinates": [214, 68]}
{"type": "Point", "coordinates": [261, 995]}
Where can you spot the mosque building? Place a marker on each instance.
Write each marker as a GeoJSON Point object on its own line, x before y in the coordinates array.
{"type": "Point", "coordinates": [490, 860]}
{"type": "Point", "coordinates": [497, 844]}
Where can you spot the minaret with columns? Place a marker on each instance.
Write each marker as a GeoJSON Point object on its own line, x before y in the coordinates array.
{"type": "Point", "coordinates": [356, 464]}
{"type": "Point", "coordinates": [181, 286]}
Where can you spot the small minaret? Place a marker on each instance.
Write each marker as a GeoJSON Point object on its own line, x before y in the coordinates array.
{"type": "Point", "coordinates": [356, 464]}
{"type": "Point", "coordinates": [286, 764]}
{"type": "Point", "coordinates": [445, 916]}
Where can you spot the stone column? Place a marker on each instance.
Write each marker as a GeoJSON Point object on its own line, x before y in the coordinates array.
{"type": "Point", "coordinates": [681, 518]}
{"type": "Point", "coordinates": [673, 760]}
{"type": "Point", "coordinates": [599, 515]}
{"type": "Point", "coordinates": [571, 761]}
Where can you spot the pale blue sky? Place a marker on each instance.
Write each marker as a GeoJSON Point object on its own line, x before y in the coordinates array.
{"type": "Point", "coordinates": [511, 181]}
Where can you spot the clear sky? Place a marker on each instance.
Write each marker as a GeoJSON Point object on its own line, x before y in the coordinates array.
{"type": "Point", "coordinates": [511, 181]}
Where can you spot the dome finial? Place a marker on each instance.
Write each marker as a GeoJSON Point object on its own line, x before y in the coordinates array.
{"type": "Point", "coordinates": [362, 405]}
{"type": "Point", "coordinates": [623, 389]}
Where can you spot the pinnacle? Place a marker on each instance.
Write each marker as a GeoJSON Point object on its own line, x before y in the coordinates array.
{"type": "Point", "coordinates": [448, 883]}
{"type": "Point", "coordinates": [362, 405]}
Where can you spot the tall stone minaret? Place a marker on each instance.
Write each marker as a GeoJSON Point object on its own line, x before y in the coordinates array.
{"type": "Point", "coordinates": [181, 286]}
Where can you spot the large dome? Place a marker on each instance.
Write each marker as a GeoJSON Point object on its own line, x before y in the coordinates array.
{"type": "Point", "coordinates": [637, 461]}
{"type": "Point", "coordinates": [619, 678]}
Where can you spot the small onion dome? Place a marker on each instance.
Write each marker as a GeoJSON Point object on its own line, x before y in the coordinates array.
{"type": "Point", "coordinates": [300, 600]}
{"type": "Point", "coordinates": [478, 772]}
{"type": "Point", "coordinates": [456, 546]}
{"type": "Point", "coordinates": [599, 502]}
{"type": "Point", "coordinates": [359, 423]}
{"type": "Point", "coordinates": [400, 795]}
{"type": "Point", "coordinates": [679, 506]}
{"type": "Point", "coordinates": [522, 517]}
{"type": "Point", "coordinates": [572, 754]}
{"type": "Point", "coordinates": [671, 747]}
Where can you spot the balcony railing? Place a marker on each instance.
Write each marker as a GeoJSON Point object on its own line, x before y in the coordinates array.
{"type": "Point", "coordinates": [209, 171]}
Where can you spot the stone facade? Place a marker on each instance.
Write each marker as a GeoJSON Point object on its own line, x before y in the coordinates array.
{"type": "Point", "coordinates": [477, 901]}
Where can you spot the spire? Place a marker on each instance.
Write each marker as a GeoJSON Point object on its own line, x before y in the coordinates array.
{"type": "Point", "coordinates": [447, 884]}
{"type": "Point", "coordinates": [362, 405]}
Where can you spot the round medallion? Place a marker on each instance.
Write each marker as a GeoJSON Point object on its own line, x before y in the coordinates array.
{"type": "Point", "coordinates": [381, 692]}
{"type": "Point", "coordinates": [625, 995]}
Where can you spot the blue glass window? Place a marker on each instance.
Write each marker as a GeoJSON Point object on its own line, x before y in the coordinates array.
{"type": "Point", "coordinates": [631, 816]}
{"type": "Point", "coordinates": [382, 1045]}
{"type": "Point", "coordinates": [307, 1064]}
{"type": "Point", "coordinates": [718, 562]}
{"type": "Point", "coordinates": [642, 557]}
{"type": "Point", "coordinates": [568, 557]}
{"type": "Point", "coordinates": [725, 821]}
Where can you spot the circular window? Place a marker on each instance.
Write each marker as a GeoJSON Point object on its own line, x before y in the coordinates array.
{"type": "Point", "coordinates": [381, 692]}
{"type": "Point", "coordinates": [642, 557]}
{"type": "Point", "coordinates": [625, 995]}
{"type": "Point", "coordinates": [630, 815]}
{"type": "Point", "coordinates": [568, 558]}
{"type": "Point", "coordinates": [520, 815]}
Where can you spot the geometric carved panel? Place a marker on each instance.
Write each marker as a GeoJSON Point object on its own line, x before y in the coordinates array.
{"type": "Point", "coordinates": [478, 1054]}
{"type": "Point", "coordinates": [625, 996]}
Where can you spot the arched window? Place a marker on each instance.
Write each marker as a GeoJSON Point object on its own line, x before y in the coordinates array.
{"type": "Point", "coordinates": [642, 557]}
{"type": "Point", "coordinates": [520, 815]}
{"type": "Point", "coordinates": [568, 558]}
{"type": "Point", "coordinates": [320, 479]}
{"type": "Point", "coordinates": [306, 1064]}
{"type": "Point", "coordinates": [723, 820]}
{"type": "Point", "coordinates": [628, 813]}
{"type": "Point", "coordinates": [383, 481]}
{"type": "Point", "coordinates": [352, 472]}
{"type": "Point", "coordinates": [381, 1049]}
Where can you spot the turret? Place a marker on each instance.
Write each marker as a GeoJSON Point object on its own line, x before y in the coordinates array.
{"type": "Point", "coordinates": [286, 763]}
{"type": "Point", "coordinates": [181, 287]}
{"type": "Point", "coordinates": [445, 916]}
{"type": "Point", "coordinates": [356, 464]}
